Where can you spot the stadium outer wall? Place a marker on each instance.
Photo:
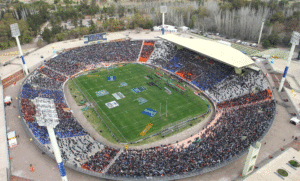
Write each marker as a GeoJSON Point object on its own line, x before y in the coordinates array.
{"type": "Point", "coordinates": [110, 177]}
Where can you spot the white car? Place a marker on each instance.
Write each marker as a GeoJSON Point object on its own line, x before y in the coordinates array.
{"type": "Point", "coordinates": [254, 45]}
{"type": "Point", "coordinates": [295, 121]}
{"type": "Point", "coordinates": [238, 41]}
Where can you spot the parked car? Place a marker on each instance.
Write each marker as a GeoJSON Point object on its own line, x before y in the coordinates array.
{"type": "Point", "coordinates": [232, 40]}
{"type": "Point", "coordinates": [294, 121]}
{"type": "Point", "coordinates": [254, 45]}
{"type": "Point", "coordinates": [238, 41]}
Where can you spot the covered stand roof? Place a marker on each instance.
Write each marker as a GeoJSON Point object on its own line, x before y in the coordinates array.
{"type": "Point", "coordinates": [215, 50]}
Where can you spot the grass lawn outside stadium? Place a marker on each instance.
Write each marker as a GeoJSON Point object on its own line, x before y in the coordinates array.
{"type": "Point", "coordinates": [127, 120]}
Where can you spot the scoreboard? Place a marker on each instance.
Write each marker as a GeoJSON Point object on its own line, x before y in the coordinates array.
{"type": "Point", "coordinates": [94, 37]}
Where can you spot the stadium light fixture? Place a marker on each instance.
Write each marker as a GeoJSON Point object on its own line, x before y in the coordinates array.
{"type": "Point", "coordinates": [46, 115]}
{"type": "Point", "coordinates": [294, 41]}
{"type": "Point", "coordinates": [15, 32]}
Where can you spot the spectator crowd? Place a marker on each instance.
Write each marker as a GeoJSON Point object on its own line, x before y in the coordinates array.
{"type": "Point", "coordinates": [245, 101]}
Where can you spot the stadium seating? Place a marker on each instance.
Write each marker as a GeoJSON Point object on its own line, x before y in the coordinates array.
{"type": "Point", "coordinates": [163, 52]}
{"type": "Point", "coordinates": [245, 103]}
{"type": "Point", "coordinates": [147, 50]}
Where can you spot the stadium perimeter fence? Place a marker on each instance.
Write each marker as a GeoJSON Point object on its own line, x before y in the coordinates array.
{"type": "Point", "coordinates": [111, 177]}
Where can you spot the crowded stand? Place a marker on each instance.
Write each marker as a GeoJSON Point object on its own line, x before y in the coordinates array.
{"type": "Point", "coordinates": [101, 159]}
{"type": "Point", "coordinates": [180, 59]}
{"type": "Point", "coordinates": [77, 149]}
{"type": "Point", "coordinates": [40, 80]}
{"type": "Point", "coordinates": [51, 74]}
{"type": "Point", "coordinates": [28, 110]}
{"type": "Point", "coordinates": [29, 92]}
{"type": "Point", "coordinates": [246, 99]}
{"type": "Point", "coordinates": [147, 50]}
{"type": "Point", "coordinates": [75, 60]}
{"type": "Point", "coordinates": [238, 85]}
{"type": "Point", "coordinates": [231, 134]}
{"type": "Point", "coordinates": [211, 74]}
{"type": "Point", "coordinates": [245, 104]}
{"type": "Point", "coordinates": [163, 52]}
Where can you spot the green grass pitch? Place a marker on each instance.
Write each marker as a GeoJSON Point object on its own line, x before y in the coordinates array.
{"type": "Point", "coordinates": [127, 121]}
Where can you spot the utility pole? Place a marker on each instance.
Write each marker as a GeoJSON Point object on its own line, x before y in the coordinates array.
{"type": "Point", "coordinates": [294, 41]}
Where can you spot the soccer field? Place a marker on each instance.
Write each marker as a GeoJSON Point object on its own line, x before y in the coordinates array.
{"type": "Point", "coordinates": [142, 104]}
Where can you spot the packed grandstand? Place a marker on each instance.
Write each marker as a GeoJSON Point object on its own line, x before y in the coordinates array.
{"type": "Point", "coordinates": [245, 110]}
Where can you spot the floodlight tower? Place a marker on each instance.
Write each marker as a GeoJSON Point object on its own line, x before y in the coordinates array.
{"type": "Point", "coordinates": [46, 115]}
{"type": "Point", "coordinates": [15, 32]}
{"type": "Point", "coordinates": [163, 10]}
{"type": "Point", "coordinates": [294, 41]}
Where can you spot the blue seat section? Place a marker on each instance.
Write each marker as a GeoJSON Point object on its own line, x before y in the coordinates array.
{"type": "Point", "coordinates": [29, 93]}
{"type": "Point", "coordinates": [174, 65]}
{"type": "Point", "coordinates": [213, 75]}
{"type": "Point", "coordinates": [40, 132]}
{"type": "Point", "coordinates": [67, 127]}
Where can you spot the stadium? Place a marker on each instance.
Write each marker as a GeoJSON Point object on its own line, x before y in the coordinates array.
{"type": "Point", "coordinates": [209, 81]}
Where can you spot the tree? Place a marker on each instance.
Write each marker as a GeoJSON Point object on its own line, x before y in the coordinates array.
{"type": "Point", "coordinates": [59, 37]}
{"type": "Point", "coordinates": [258, 3]}
{"type": "Point", "coordinates": [92, 28]}
{"type": "Point", "coordinates": [192, 22]}
{"type": "Point", "coordinates": [80, 22]}
{"type": "Point", "coordinates": [135, 10]}
{"type": "Point", "coordinates": [47, 35]}
{"type": "Point", "coordinates": [111, 10]}
{"type": "Point", "coordinates": [104, 9]}
{"type": "Point", "coordinates": [286, 40]}
{"type": "Point", "coordinates": [278, 16]}
{"type": "Point", "coordinates": [273, 5]}
{"type": "Point", "coordinates": [26, 37]}
{"type": "Point", "coordinates": [283, 3]}
{"type": "Point", "coordinates": [237, 4]}
{"type": "Point", "coordinates": [67, 1]}
{"type": "Point", "coordinates": [274, 39]}
{"type": "Point", "coordinates": [75, 23]}
{"type": "Point", "coordinates": [56, 1]}
{"type": "Point", "coordinates": [56, 29]}
{"type": "Point", "coordinates": [266, 43]}
{"type": "Point", "coordinates": [121, 11]}
{"type": "Point", "coordinates": [225, 6]}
